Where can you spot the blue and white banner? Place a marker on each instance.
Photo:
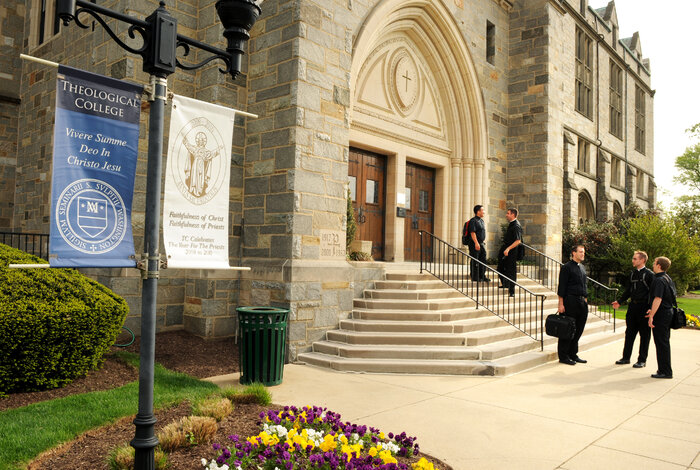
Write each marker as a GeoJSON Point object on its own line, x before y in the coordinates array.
{"type": "Point", "coordinates": [196, 199]}
{"type": "Point", "coordinates": [95, 146]}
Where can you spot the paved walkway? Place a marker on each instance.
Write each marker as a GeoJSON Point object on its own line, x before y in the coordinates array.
{"type": "Point", "coordinates": [589, 416]}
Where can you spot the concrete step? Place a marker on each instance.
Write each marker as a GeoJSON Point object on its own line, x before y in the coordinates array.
{"type": "Point", "coordinates": [407, 326]}
{"type": "Point", "coordinates": [432, 304]}
{"type": "Point", "coordinates": [409, 285]}
{"type": "Point", "coordinates": [444, 292]}
{"type": "Point", "coordinates": [436, 366]}
{"type": "Point", "coordinates": [390, 314]}
{"type": "Point", "coordinates": [395, 352]}
{"type": "Point", "coordinates": [416, 339]}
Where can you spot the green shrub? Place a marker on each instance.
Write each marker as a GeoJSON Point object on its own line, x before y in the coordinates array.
{"type": "Point", "coordinates": [659, 236]}
{"type": "Point", "coordinates": [122, 458]}
{"type": "Point", "coordinates": [351, 228]}
{"type": "Point", "coordinates": [55, 324]}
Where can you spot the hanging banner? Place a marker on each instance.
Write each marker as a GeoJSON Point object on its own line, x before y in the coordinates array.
{"type": "Point", "coordinates": [196, 200]}
{"type": "Point", "coordinates": [95, 145]}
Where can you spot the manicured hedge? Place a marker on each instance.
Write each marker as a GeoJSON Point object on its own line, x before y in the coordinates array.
{"type": "Point", "coordinates": [55, 324]}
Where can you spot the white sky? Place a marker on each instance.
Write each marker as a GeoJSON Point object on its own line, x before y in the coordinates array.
{"type": "Point", "coordinates": [670, 36]}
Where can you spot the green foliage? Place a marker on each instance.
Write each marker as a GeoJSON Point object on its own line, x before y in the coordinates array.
{"type": "Point", "coordinates": [688, 164]}
{"type": "Point", "coordinates": [351, 224]}
{"type": "Point", "coordinates": [360, 256]}
{"type": "Point", "coordinates": [32, 429]}
{"type": "Point", "coordinates": [659, 237]}
{"type": "Point", "coordinates": [55, 324]}
{"type": "Point", "coordinates": [687, 209]}
{"type": "Point", "coordinates": [596, 238]}
{"type": "Point", "coordinates": [253, 393]}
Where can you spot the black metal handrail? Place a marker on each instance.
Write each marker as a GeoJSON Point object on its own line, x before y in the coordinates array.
{"type": "Point", "coordinates": [36, 244]}
{"type": "Point", "coordinates": [524, 311]}
{"type": "Point", "coordinates": [545, 270]}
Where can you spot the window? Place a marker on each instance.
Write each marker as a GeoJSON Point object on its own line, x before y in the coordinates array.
{"type": "Point", "coordinates": [615, 167]}
{"type": "Point", "coordinates": [584, 74]}
{"type": "Point", "coordinates": [615, 99]}
{"type": "Point", "coordinates": [372, 192]}
{"type": "Point", "coordinates": [423, 201]}
{"type": "Point", "coordinates": [617, 210]}
{"type": "Point", "coordinates": [45, 24]}
{"type": "Point", "coordinates": [639, 119]}
{"type": "Point", "coordinates": [640, 184]}
{"type": "Point", "coordinates": [586, 211]}
{"type": "Point", "coordinates": [582, 6]}
{"type": "Point", "coordinates": [490, 42]}
{"type": "Point", "coordinates": [352, 187]}
{"type": "Point", "coordinates": [583, 159]}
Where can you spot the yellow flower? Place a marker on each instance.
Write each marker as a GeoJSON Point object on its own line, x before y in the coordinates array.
{"type": "Point", "coordinates": [343, 439]}
{"type": "Point", "coordinates": [422, 464]}
{"type": "Point", "coordinates": [328, 443]}
{"type": "Point", "coordinates": [381, 435]}
{"type": "Point", "coordinates": [386, 457]}
{"type": "Point", "coordinates": [373, 451]}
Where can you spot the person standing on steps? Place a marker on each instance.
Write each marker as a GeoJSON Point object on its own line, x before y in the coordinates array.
{"type": "Point", "coordinates": [638, 292]}
{"type": "Point", "coordinates": [663, 297]}
{"type": "Point", "coordinates": [573, 302]}
{"type": "Point", "coordinates": [508, 253]}
{"type": "Point", "coordinates": [476, 234]}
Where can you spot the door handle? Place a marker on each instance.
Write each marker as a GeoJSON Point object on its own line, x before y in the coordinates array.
{"type": "Point", "coordinates": [361, 218]}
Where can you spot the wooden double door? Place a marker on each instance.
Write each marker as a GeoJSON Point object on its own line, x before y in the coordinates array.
{"type": "Point", "coordinates": [420, 204]}
{"type": "Point", "coordinates": [367, 184]}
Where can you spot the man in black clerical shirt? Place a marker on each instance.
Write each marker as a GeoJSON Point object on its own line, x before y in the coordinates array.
{"type": "Point", "coordinates": [508, 253]}
{"type": "Point", "coordinates": [573, 293]}
{"type": "Point", "coordinates": [638, 292]}
{"type": "Point", "coordinates": [663, 295]}
{"type": "Point", "coordinates": [476, 234]}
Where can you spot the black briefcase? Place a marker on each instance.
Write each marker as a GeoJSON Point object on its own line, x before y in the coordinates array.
{"type": "Point", "coordinates": [560, 326]}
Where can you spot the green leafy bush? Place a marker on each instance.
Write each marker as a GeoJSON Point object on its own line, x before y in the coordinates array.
{"type": "Point", "coordinates": [659, 236]}
{"type": "Point", "coordinates": [55, 324]}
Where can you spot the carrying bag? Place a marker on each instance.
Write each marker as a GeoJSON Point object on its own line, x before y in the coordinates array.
{"type": "Point", "coordinates": [678, 319]}
{"type": "Point", "coordinates": [465, 234]}
{"type": "Point", "coordinates": [560, 326]}
{"type": "Point", "coordinates": [521, 251]}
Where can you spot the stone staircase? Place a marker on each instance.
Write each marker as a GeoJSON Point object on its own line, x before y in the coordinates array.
{"type": "Point", "coordinates": [415, 324]}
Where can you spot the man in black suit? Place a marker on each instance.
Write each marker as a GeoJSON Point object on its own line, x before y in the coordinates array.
{"type": "Point", "coordinates": [476, 234]}
{"type": "Point", "coordinates": [663, 295]}
{"type": "Point", "coordinates": [573, 302]}
{"type": "Point", "coordinates": [508, 253]}
{"type": "Point", "coordinates": [638, 292]}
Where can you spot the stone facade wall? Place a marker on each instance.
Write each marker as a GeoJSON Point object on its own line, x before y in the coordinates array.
{"type": "Point", "coordinates": [11, 37]}
{"type": "Point", "coordinates": [530, 185]}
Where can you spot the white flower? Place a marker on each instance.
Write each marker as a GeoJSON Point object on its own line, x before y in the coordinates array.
{"type": "Point", "coordinates": [204, 462]}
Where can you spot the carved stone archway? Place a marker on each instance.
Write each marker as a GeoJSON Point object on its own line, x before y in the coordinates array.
{"type": "Point", "coordinates": [416, 97]}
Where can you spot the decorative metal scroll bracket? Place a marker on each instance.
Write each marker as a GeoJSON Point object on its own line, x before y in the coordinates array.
{"type": "Point", "coordinates": [144, 261]}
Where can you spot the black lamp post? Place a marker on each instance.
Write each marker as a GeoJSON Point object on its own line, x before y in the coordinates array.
{"type": "Point", "coordinates": [159, 52]}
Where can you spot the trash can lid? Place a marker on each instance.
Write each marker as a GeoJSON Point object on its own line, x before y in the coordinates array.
{"type": "Point", "coordinates": [262, 310]}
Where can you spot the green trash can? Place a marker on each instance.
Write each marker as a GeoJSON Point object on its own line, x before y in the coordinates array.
{"type": "Point", "coordinates": [263, 343]}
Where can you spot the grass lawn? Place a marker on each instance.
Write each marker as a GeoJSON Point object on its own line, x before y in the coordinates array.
{"type": "Point", "coordinates": [29, 430]}
{"type": "Point", "coordinates": [689, 305]}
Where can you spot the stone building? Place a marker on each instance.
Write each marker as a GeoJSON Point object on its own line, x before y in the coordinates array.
{"type": "Point", "coordinates": [419, 108]}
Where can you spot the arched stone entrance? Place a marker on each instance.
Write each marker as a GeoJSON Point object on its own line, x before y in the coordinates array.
{"type": "Point", "coordinates": [416, 99]}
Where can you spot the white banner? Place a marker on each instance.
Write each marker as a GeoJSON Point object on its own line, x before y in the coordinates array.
{"type": "Point", "coordinates": [196, 201]}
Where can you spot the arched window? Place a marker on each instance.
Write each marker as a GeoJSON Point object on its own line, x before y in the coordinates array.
{"type": "Point", "coordinates": [585, 207]}
{"type": "Point", "coordinates": [617, 210]}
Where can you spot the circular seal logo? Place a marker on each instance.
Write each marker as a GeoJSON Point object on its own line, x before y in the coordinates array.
{"type": "Point", "coordinates": [198, 163]}
{"type": "Point", "coordinates": [90, 216]}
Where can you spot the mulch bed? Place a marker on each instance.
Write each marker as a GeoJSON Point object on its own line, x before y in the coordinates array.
{"type": "Point", "coordinates": [176, 350]}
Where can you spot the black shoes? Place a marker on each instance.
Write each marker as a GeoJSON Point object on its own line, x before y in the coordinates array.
{"type": "Point", "coordinates": [580, 361]}
{"type": "Point", "coordinates": [511, 295]}
{"type": "Point", "coordinates": [486, 279]}
{"type": "Point", "coordinates": [622, 361]}
{"type": "Point", "coordinates": [639, 365]}
{"type": "Point", "coordinates": [570, 362]}
{"type": "Point", "coordinates": [661, 376]}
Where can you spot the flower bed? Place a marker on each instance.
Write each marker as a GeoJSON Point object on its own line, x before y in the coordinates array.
{"type": "Point", "coordinates": [315, 438]}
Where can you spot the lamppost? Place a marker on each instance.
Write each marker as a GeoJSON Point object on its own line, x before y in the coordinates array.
{"type": "Point", "coordinates": [159, 52]}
